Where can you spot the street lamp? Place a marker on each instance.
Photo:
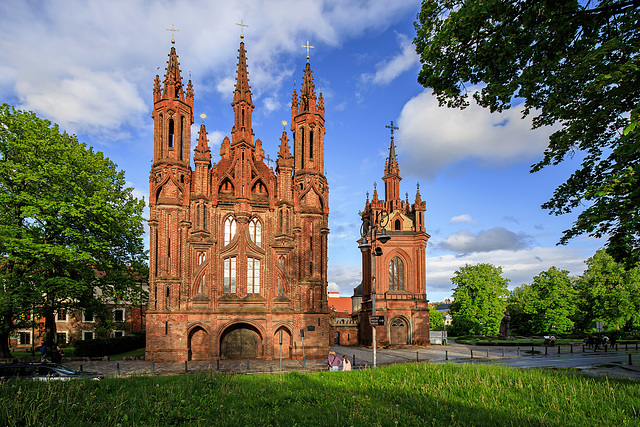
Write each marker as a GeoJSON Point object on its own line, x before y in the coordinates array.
{"type": "Point", "coordinates": [371, 234]}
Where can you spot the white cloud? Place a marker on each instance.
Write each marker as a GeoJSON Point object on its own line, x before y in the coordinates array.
{"type": "Point", "coordinates": [518, 266]}
{"type": "Point", "coordinates": [432, 138]}
{"type": "Point", "coordinates": [462, 218]}
{"type": "Point", "coordinates": [496, 238]}
{"type": "Point", "coordinates": [387, 71]}
{"type": "Point", "coordinates": [89, 65]}
{"type": "Point", "coordinates": [345, 276]}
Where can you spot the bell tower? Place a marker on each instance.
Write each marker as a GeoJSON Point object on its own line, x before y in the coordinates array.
{"type": "Point", "coordinates": [310, 188]}
{"type": "Point", "coordinates": [169, 187]}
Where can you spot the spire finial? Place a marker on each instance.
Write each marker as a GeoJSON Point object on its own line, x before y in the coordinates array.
{"type": "Point", "coordinates": [392, 127]}
{"type": "Point", "coordinates": [375, 185]}
{"type": "Point", "coordinates": [242, 25]}
{"type": "Point", "coordinates": [173, 30]}
{"type": "Point", "coordinates": [284, 124]}
{"type": "Point", "coordinates": [203, 116]}
{"type": "Point", "coordinates": [308, 46]}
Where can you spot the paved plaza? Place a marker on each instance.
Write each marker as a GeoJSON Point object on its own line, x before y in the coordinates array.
{"type": "Point", "coordinates": [614, 363]}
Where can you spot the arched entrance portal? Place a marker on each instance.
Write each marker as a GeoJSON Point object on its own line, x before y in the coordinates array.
{"type": "Point", "coordinates": [240, 341]}
{"type": "Point", "coordinates": [197, 344]}
{"type": "Point", "coordinates": [398, 331]}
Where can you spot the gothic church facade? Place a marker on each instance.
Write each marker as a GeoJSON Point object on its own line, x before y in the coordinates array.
{"type": "Point", "coordinates": [238, 251]}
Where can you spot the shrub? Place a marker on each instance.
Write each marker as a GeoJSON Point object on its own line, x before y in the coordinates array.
{"type": "Point", "coordinates": [108, 346]}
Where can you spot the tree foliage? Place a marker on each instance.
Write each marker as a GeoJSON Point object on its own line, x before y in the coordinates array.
{"type": "Point", "coordinates": [65, 215]}
{"type": "Point", "coordinates": [573, 64]}
{"type": "Point", "coordinates": [609, 293]}
{"type": "Point", "coordinates": [436, 320]}
{"type": "Point", "coordinates": [551, 302]}
{"type": "Point", "coordinates": [479, 299]}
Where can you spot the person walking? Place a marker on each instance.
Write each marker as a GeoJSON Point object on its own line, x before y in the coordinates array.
{"type": "Point", "coordinates": [43, 353]}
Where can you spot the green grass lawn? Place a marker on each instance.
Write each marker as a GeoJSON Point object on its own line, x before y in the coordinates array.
{"type": "Point", "coordinates": [402, 395]}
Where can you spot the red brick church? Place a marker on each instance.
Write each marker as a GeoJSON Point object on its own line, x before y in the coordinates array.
{"type": "Point", "coordinates": [400, 265]}
{"type": "Point", "coordinates": [238, 251]}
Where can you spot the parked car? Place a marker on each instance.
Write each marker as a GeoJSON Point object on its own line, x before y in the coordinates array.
{"type": "Point", "coordinates": [43, 372]}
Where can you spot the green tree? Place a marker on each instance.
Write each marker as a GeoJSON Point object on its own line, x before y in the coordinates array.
{"type": "Point", "coordinates": [609, 293]}
{"type": "Point", "coordinates": [65, 215]}
{"type": "Point", "coordinates": [436, 320]}
{"type": "Point", "coordinates": [520, 323]}
{"type": "Point", "coordinates": [551, 302]}
{"type": "Point", "coordinates": [571, 63]}
{"type": "Point", "coordinates": [479, 299]}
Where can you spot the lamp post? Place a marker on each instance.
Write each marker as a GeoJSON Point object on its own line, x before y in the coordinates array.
{"type": "Point", "coordinates": [371, 234]}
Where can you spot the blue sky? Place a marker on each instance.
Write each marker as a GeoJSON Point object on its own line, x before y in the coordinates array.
{"type": "Point", "coordinates": [89, 66]}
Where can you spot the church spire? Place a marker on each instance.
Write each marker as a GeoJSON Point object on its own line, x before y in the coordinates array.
{"type": "Point", "coordinates": [173, 79]}
{"type": "Point", "coordinates": [391, 176]}
{"type": "Point", "coordinates": [242, 104]}
{"type": "Point", "coordinates": [308, 93]}
{"type": "Point", "coordinates": [202, 153]}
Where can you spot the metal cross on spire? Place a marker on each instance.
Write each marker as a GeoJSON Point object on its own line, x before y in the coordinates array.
{"type": "Point", "coordinates": [308, 46]}
{"type": "Point", "coordinates": [392, 127]}
{"type": "Point", "coordinates": [242, 25]}
{"type": "Point", "coordinates": [173, 30]}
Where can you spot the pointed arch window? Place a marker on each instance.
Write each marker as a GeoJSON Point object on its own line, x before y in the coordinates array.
{"type": "Point", "coordinates": [181, 137]}
{"type": "Point", "coordinates": [255, 232]}
{"type": "Point", "coordinates": [396, 274]}
{"type": "Point", "coordinates": [311, 144]}
{"type": "Point", "coordinates": [397, 225]}
{"type": "Point", "coordinates": [201, 289]}
{"type": "Point", "coordinates": [171, 133]}
{"type": "Point", "coordinates": [229, 230]}
{"type": "Point", "coordinates": [302, 146]}
{"type": "Point", "coordinates": [253, 275]}
{"type": "Point", "coordinates": [229, 275]}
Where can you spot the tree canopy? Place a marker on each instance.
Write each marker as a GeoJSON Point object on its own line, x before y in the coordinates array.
{"type": "Point", "coordinates": [570, 63]}
{"type": "Point", "coordinates": [479, 299]}
{"type": "Point", "coordinates": [609, 293]}
{"type": "Point", "coordinates": [551, 301]}
{"type": "Point", "coordinates": [68, 224]}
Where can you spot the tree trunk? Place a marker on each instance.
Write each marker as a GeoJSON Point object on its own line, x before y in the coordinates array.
{"type": "Point", "coordinates": [5, 331]}
{"type": "Point", "coordinates": [49, 326]}
{"type": "Point", "coordinates": [4, 345]}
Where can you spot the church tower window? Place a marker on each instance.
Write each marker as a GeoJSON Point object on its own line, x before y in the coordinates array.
{"type": "Point", "coordinates": [171, 132]}
{"type": "Point", "coordinates": [230, 275]}
{"type": "Point", "coordinates": [255, 232]}
{"type": "Point", "coordinates": [397, 226]}
{"type": "Point", "coordinates": [229, 230]}
{"type": "Point", "coordinates": [181, 137]}
{"type": "Point", "coordinates": [311, 144]}
{"type": "Point", "coordinates": [302, 146]}
{"type": "Point", "coordinates": [396, 274]}
{"type": "Point", "coordinates": [201, 286]}
{"type": "Point", "coordinates": [253, 276]}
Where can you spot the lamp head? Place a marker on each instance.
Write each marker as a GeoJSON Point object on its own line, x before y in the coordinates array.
{"type": "Point", "coordinates": [365, 245]}
{"type": "Point", "coordinates": [383, 237]}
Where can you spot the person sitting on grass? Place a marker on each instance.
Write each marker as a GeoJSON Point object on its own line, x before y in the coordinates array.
{"type": "Point", "coordinates": [333, 362]}
{"type": "Point", "coordinates": [346, 365]}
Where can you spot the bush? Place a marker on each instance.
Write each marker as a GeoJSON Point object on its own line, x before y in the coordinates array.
{"type": "Point", "coordinates": [108, 346]}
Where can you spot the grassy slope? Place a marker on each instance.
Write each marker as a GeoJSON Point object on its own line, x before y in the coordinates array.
{"type": "Point", "coordinates": [411, 394]}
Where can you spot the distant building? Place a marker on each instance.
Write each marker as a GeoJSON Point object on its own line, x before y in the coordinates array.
{"type": "Point", "coordinates": [74, 325]}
